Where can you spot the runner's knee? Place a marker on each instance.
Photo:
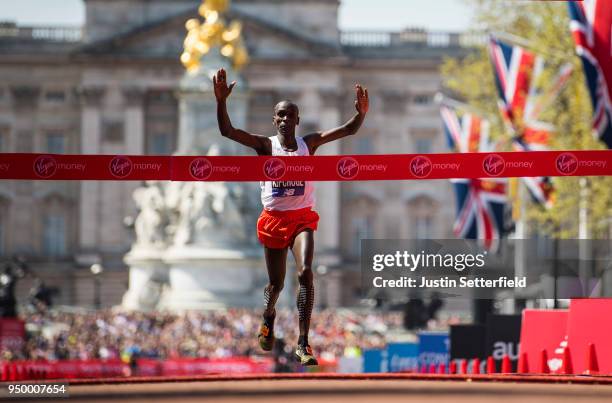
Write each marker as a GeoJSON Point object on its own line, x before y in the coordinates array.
{"type": "Point", "coordinates": [274, 288]}
{"type": "Point", "coordinates": [305, 275]}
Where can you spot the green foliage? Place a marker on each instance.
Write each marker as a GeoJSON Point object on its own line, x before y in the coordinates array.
{"type": "Point", "coordinates": [546, 26]}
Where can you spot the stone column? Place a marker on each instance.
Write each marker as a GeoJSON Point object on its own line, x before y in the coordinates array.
{"type": "Point", "coordinates": [134, 121]}
{"type": "Point", "coordinates": [135, 144]}
{"type": "Point", "coordinates": [91, 99]}
{"type": "Point", "coordinates": [328, 193]}
{"type": "Point", "coordinates": [23, 218]}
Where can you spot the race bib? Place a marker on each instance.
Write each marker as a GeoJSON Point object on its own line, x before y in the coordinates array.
{"type": "Point", "coordinates": [287, 188]}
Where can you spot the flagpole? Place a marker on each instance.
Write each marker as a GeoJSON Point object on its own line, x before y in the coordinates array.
{"type": "Point", "coordinates": [584, 235]}
{"type": "Point", "coordinates": [519, 234]}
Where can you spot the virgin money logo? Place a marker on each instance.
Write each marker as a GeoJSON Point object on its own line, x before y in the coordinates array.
{"type": "Point", "coordinates": [200, 169]}
{"type": "Point", "coordinates": [45, 166]}
{"type": "Point", "coordinates": [274, 169]}
{"type": "Point", "coordinates": [421, 166]}
{"type": "Point", "coordinates": [347, 168]}
{"type": "Point", "coordinates": [566, 163]}
{"type": "Point", "coordinates": [494, 165]}
{"type": "Point", "coordinates": [120, 167]}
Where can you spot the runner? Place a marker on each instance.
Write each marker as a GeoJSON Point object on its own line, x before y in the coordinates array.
{"type": "Point", "coordinates": [288, 219]}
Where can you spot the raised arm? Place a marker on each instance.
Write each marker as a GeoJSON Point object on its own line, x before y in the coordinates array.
{"type": "Point", "coordinates": [260, 144]}
{"type": "Point", "coordinates": [361, 105]}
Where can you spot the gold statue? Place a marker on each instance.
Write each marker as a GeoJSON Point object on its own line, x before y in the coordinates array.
{"type": "Point", "coordinates": [201, 38]}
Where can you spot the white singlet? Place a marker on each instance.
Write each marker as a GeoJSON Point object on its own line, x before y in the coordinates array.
{"type": "Point", "coordinates": [287, 195]}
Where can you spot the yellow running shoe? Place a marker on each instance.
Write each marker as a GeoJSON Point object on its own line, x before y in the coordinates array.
{"type": "Point", "coordinates": [266, 336]}
{"type": "Point", "coordinates": [305, 356]}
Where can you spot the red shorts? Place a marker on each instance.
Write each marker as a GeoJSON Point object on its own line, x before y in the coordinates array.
{"type": "Point", "coordinates": [278, 229]}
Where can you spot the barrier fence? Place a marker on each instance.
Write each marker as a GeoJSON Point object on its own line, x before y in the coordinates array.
{"type": "Point", "coordinates": [319, 168]}
{"type": "Point", "coordinates": [96, 369]}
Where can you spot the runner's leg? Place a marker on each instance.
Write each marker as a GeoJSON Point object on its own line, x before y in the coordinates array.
{"type": "Point", "coordinates": [303, 251]}
{"type": "Point", "coordinates": [276, 263]}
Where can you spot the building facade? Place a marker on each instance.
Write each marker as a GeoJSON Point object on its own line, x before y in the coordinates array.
{"type": "Point", "coordinates": [110, 88]}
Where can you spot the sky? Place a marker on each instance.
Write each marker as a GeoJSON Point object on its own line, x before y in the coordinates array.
{"type": "Point", "coordinates": [391, 15]}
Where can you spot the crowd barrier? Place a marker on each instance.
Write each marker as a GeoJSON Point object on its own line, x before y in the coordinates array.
{"type": "Point", "coordinates": [74, 369]}
{"type": "Point", "coordinates": [575, 341]}
{"type": "Point", "coordinates": [319, 168]}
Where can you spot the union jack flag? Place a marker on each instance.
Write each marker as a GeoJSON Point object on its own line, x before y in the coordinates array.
{"type": "Point", "coordinates": [480, 202]}
{"type": "Point", "coordinates": [521, 100]}
{"type": "Point", "coordinates": [516, 71]}
{"type": "Point", "coordinates": [480, 210]}
{"type": "Point", "coordinates": [591, 25]}
{"type": "Point", "coordinates": [468, 134]}
{"type": "Point", "coordinates": [514, 68]}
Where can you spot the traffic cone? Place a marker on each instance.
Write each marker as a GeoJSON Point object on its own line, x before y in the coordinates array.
{"type": "Point", "coordinates": [506, 365]}
{"type": "Point", "coordinates": [592, 368]}
{"type": "Point", "coordinates": [476, 366]}
{"type": "Point", "coordinates": [491, 365]}
{"type": "Point", "coordinates": [4, 376]}
{"type": "Point", "coordinates": [442, 368]}
{"type": "Point", "coordinates": [567, 368]}
{"type": "Point", "coordinates": [452, 369]}
{"type": "Point", "coordinates": [464, 367]}
{"type": "Point", "coordinates": [544, 363]}
{"type": "Point", "coordinates": [523, 364]}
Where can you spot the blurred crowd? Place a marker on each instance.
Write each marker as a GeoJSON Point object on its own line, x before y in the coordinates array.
{"type": "Point", "coordinates": [109, 334]}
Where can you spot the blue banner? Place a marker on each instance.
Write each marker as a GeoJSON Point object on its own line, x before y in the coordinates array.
{"type": "Point", "coordinates": [373, 360]}
{"type": "Point", "coordinates": [402, 357]}
{"type": "Point", "coordinates": [433, 348]}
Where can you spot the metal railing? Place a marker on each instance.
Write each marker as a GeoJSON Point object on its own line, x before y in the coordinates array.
{"type": "Point", "coordinates": [408, 37]}
{"type": "Point", "coordinates": [42, 33]}
{"type": "Point", "coordinates": [411, 37]}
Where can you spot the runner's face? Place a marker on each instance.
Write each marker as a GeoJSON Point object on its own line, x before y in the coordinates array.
{"type": "Point", "coordinates": [286, 118]}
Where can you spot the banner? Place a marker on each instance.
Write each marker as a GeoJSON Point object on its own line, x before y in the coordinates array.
{"type": "Point", "coordinates": [196, 366]}
{"type": "Point", "coordinates": [433, 348]}
{"type": "Point", "coordinates": [543, 329]}
{"type": "Point", "coordinates": [402, 357]}
{"type": "Point", "coordinates": [589, 323]}
{"type": "Point", "coordinates": [467, 342]}
{"type": "Point", "coordinates": [503, 337]}
{"type": "Point", "coordinates": [375, 360]}
{"type": "Point", "coordinates": [75, 369]}
{"type": "Point", "coordinates": [12, 334]}
{"type": "Point", "coordinates": [320, 168]}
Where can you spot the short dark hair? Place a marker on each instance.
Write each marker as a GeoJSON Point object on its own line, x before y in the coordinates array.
{"type": "Point", "coordinates": [288, 102]}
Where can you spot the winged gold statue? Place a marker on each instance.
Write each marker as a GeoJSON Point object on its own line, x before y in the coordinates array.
{"type": "Point", "coordinates": [213, 33]}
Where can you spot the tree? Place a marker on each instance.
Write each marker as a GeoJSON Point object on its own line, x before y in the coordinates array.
{"type": "Point", "coordinates": [546, 26]}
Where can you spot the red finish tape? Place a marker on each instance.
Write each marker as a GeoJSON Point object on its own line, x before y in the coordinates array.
{"type": "Point", "coordinates": [316, 168]}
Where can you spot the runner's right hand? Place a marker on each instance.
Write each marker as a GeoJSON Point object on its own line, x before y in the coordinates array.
{"type": "Point", "coordinates": [222, 90]}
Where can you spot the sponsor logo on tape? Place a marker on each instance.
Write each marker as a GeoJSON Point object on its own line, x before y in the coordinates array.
{"type": "Point", "coordinates": [347, 168]}
{"type": "Point", "coordinates": [274, 168]}
{"type": "Point", "coordinates": [494, 165]}
{"type": "Point", "coordinates": [421, 166]}
{"type": "Point", "coordinates": [120, 166]}
{"type": "Point", "coordinates": [566, 163]}
{"type": "Point", "coordinates": [45, 166]}
{"type": "Point", "coordinates": [200, 168]}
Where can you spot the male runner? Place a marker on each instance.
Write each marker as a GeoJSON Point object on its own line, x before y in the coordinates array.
{"type": "Point", "coordinates": [287, 220]}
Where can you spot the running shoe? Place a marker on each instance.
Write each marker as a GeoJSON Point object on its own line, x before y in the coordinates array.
{"type": "Point", "coordinates": [266, 335]}
{"type": "Point", "coordinates": [305, 356]}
